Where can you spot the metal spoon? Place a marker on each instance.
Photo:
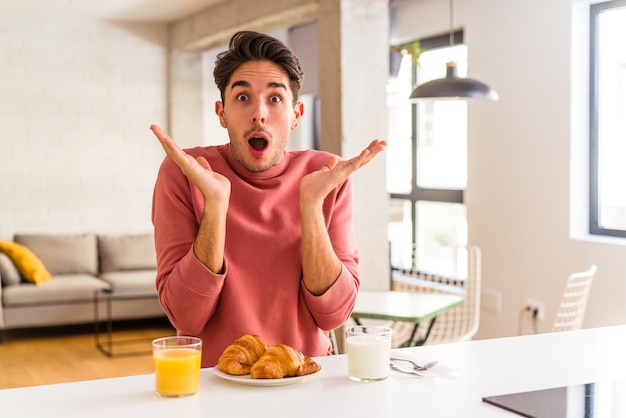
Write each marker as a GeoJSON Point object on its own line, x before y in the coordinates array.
{"type": "Point", "coordinates": [415, 365]}
{"type": "Point", "coordinates": [400, 369]}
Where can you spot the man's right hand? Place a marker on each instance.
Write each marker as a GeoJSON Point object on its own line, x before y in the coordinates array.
{"type": "Point", "coordinates": [214, 186]}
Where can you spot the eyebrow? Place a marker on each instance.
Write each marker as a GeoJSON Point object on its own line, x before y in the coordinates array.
{"type": "Point", "coordinates": [272, 84]}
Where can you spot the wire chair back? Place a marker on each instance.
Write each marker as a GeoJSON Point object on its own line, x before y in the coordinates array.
{"type": "Point", "coordinates": [458, 324]}
{"type": "Point", "coordinates": [573, 304]}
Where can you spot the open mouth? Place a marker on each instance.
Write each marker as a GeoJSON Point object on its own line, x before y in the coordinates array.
{"type": "Point", "coordinates": [257, 143]}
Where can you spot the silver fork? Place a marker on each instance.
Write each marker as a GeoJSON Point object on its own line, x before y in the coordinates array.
{"type": "Point", "coordinates": [400, 369]}
{"type": "Point", "coordinates": [416, 366]}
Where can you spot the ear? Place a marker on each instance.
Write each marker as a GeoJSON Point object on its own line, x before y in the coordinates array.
{"type": "Point", "coordinates": [298, 111]}
{"type": "Point", "coordinates": [219, 111]}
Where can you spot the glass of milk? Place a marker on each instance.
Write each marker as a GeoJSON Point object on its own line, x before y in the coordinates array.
{"type": "Point", "coordinates": [369, 349]}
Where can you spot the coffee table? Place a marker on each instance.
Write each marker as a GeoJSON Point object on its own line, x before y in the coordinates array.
{"type": "Point", "coordinates": [108, 296]}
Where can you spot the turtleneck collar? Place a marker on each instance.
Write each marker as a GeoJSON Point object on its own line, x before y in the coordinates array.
{"type": "Point", "coordinates": [243, 172]}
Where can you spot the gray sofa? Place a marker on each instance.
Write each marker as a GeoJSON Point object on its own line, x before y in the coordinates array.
{"type": "Point", "coordinates": [80, 265]}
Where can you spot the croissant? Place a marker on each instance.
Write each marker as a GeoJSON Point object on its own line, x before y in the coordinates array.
{"type": "Point", "coordinates": [309, 366]}
{"type": "Point", "coordinates": [238, 357]}
{"type": "Point", "coordinates": [280, 361]}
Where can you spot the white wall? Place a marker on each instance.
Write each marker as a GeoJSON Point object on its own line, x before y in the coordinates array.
{"type": "Point", "coordinates": [520, 156]}
{"type": "Point", "coordinates": [76, 101]}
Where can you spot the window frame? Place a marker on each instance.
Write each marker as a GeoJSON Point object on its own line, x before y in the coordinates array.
{"type": "Point", "coordinates": [594, 210]}
{"type": "Point", "coordinates": [420, 193]}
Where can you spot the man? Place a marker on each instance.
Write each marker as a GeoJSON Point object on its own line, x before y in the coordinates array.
{"type": "Point", "coordinates": [252, 239]}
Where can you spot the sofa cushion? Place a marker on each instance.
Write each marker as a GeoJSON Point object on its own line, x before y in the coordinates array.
{"type": "Point", "coordinates": [126, 252]}
{"type": "Point", "coordinates": [8, 271]}
{"type": "Point", "coordinates": [63, 289]}
{"type": "Point", "coordinates": [27, 263]}
{"type": "Point", "coordinates": [64, 254]}
{"type": "Point", "coordinates": [142, 281]}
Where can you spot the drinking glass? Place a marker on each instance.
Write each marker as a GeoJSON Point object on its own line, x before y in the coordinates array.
{"type": "Point", "coordinates": [369, 349]}
{"type": "Point", "coordinates": [177, 365]}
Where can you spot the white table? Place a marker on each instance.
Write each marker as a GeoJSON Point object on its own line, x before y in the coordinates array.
{"type": "Point", "coordinates": [413, 307]}
{"type": "Point", "coordinates": [454, 388]}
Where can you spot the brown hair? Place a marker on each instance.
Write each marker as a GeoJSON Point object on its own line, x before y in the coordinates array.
{"type": "Point", "coordinates": [248, 46]}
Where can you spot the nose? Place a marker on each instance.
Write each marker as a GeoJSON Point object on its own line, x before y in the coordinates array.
{"type": "Point", "coordinates": [260, 113]}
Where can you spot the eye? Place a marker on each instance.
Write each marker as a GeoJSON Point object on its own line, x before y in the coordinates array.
{"type": "Point", "coordinates": [276, 99]}
{"type": "Point", "coordinates": [242, 97]}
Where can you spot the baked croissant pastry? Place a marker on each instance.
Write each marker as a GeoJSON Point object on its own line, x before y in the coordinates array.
{"type": "Point", "coordinates": [280, 361]}
{"type": "Point", "coordinates": [309, 366]}
{"type": "Point", "coordinates": [238, 357]}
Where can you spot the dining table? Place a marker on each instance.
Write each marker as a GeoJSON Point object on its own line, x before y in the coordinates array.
{"type": "Point", "coordinates": [468, 375]}
{"type": "Point", "coordinates": [415, 307]}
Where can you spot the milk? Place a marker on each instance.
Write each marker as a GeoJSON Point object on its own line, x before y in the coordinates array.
{"type": "Point", "coordinates": [368, 355]}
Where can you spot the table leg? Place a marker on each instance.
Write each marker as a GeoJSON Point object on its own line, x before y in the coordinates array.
{"type": "Point", "coordinates": [430, 328]}
{"type": "Point", "coordinates": [108, 350]}
{"type": "Point", "coordinates": [409, 341]}
{"type": "Point", "coordinates": [96, 319]}
{"type": "Point", "coordinates": [106, 346]}
{"type": "Point", "coordinates": [415, 340]}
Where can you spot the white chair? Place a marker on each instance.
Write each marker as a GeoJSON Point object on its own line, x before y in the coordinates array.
{"type": "Point", "coordinates": [571, 311]}
{"type": "Point", "coordinates": [458, 324]}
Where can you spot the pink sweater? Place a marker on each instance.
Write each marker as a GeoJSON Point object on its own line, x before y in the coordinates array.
{"type": "Point", "coordinates": [261, 290]}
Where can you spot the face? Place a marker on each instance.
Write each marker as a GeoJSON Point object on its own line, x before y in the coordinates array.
{"type": "Point", "coordinates": [259, 114]}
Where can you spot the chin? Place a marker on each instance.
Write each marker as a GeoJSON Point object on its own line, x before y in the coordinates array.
{"type": "Point", "coordinates": [257, 166]}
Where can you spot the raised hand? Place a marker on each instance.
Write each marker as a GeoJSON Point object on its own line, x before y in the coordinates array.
{"type": "Point", "coordinates": [213, 186]}
{"type": "Point", "coordinates": [315, 186]}
{"type": "Point", "coordinates": [320, 264]}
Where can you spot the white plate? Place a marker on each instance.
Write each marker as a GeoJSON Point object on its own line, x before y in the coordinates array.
{"type": "Point", "coordinates": [247, 380]}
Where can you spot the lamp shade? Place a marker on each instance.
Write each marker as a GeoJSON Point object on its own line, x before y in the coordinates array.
{"type": "Point", "coordinates": [453, 87]}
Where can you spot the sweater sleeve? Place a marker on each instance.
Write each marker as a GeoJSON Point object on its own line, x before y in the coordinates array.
{"type": "Point", "coordinates": [333, 308]}
{"type": "Point", "coordinates": [183, 283]}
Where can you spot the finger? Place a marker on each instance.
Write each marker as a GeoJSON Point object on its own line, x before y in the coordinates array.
{"type": "Point", "coordinates": [204, 163]}
{"type": "Point", "coordinates": [160, 133]}
{"type": "Point", "coordinates": [374, 147]}
{"type": "Point", "coordinates": [356, 162]}
{"type": "Point", "coordinates": [330, 163]}
{"type": "Point", "coordinates": [163, 138]}
{"type": "Point", "coordinates": [171, 149]}
{"type": "Point", "coordinates": [375, 142]}
{"type": "Point", "coordinates": [377, 146]}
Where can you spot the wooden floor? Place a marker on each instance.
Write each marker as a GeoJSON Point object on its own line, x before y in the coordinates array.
{"type": "Point", "coordinates": [66, 354]}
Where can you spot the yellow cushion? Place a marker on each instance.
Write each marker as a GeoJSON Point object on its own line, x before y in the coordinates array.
{"type": "Point", "coordinates": [27, 263]}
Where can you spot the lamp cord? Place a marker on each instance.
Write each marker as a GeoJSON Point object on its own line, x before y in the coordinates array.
{"type": "Point", "coordinates": [451, 27]}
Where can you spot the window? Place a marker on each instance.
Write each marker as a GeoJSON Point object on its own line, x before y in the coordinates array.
{"type": "Point", "coordinates": [607, 119]}
{"type": "Point", "coordinates": [426, 156]}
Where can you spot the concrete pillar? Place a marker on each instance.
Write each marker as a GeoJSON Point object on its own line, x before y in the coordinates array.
{"type": "Point", "coordinates": [186, 98]}
{"type": "Point", "coordinates": [353, 69]}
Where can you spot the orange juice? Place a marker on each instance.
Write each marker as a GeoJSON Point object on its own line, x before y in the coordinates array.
{"type": "Point", "coordinates": [177, 371]}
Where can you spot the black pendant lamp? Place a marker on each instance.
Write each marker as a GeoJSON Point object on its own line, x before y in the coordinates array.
{"type": "Point", "coordinates": [452, 86]}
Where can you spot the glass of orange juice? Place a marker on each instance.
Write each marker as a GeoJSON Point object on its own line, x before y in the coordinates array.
{"type": "Point", "coordinates": [177, 365]}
